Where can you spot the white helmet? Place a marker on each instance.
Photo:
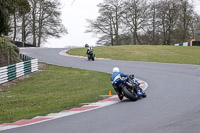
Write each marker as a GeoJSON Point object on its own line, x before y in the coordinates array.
{"type": "Point", "coordinates": [115, 69]}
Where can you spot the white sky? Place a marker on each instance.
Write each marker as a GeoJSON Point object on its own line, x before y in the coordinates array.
{"type": "Point", "coordinates": [74, 15]}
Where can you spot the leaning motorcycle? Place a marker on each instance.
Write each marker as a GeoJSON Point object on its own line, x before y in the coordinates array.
{"type": "Point", "coordinates": [91, 56]}
{"type": "Point", "coordinates": [129, 87]}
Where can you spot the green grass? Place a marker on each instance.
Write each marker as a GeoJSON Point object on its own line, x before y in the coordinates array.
{"type": "Point", "coordinates": [53, 90]}
{"type": "Point", "coordinates": [146, 53]}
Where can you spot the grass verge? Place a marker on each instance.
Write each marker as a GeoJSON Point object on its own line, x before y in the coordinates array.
{"type": "Point", "coordinates": [52, 90]}
{"type": "Point", "coordinates": [146, 53]}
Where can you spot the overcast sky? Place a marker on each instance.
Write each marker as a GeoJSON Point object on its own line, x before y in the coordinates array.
{"type": "Point", "coordinates": [74, 15]}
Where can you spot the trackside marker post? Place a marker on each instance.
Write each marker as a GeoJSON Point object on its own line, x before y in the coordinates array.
{"type": "Point", "coordinates": [191, 42]}
{"type": "Point", "coordinates": [110, 93]}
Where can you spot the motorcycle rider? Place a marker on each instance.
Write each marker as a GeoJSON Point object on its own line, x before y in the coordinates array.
{"type": "Point", "coordinates": [89, 51]}
{"type": "Point", "coordinates": [115, 77]}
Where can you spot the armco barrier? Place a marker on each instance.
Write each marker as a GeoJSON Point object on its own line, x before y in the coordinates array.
{"type": "Point", "coordinates": [183, 44]}
{"type": "Point", "coordinates": [192, 43]}
{"type": "Point", "coordinates": [14, 71]}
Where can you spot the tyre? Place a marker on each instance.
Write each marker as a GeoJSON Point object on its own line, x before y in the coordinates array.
{"type": "Point", "coordinates": [92, 58]}
{"type": "Point", "coordinates": [129, 95]}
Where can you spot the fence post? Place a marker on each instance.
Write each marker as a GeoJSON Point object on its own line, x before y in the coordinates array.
{"type": "Point", "coordinates": [4, 43]}
{"type": "Point", "coordinates": [10, 52]}
{"type": "Point", "coordinates": [8, 55]}
{"type": "Point", "coordinates": [1, 47]}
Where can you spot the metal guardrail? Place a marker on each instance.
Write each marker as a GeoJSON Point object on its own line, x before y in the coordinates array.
{"type": "Point", "coordinates": [25, 57]}
{"type": "Point", "coordinates": [191, 43]}
{"type": "Point", "coordinates": [182, 44]}
{"type": "Point", "coordinates": [14, 71]}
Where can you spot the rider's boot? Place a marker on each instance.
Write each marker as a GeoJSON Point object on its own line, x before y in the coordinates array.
{"type": "Point", "coordinates": [139, 93]}
{"type": "Point", "coordinates": [120, 96]}
{"type": "Point", "coordinates": [143, 94]}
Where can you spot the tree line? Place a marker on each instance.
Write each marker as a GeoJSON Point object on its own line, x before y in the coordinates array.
{"type": "Point", "coordinates": [155, 22]}
{"type": "Point", "coordinates": [31, 21]}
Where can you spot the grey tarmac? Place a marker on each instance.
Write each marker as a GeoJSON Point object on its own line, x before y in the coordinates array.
{"type": "Point", "coordinates": [172, 104]}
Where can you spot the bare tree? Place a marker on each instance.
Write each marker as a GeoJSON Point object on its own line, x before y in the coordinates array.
{"type": "Point", "coordinates": [168, 16]}
{"type": "Point", "coordinates": [33, 18]}
{"type": "Point", "coordinates": [195, 23]}
{"type": "Point", "coordinates": [15, 9]}
{"type": "Point", "coordinates": [25, 8]}
{"type": "Point", "coordinates": [185, 21]}
{"type": "Point", "coordinates": [35, 23]}
{"type": "Point", "coordinates": [49, 22]}
{"type": "Point", "coordinates": [109, 21]}
{"type": "Point", "coordinates": [152, 33]}
{"type": "Point", "coordinates": [135, 17]}
{"type": "Point", "coordinates": [157, 22]}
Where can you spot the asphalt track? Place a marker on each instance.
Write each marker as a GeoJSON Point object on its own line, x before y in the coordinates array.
{"type": "Point", "coordinates": [172, 104]}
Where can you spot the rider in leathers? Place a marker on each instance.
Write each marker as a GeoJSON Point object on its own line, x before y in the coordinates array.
{"type": "Point", "coordinates": [115, 78]}
{"type": "Point", "coordinates": [89, 51]}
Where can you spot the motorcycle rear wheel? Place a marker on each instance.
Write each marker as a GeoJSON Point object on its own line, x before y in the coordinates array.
{"type": "Point", "coordinates": [129, 95]}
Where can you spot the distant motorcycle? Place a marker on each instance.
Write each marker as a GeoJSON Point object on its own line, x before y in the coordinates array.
{"type": "Point", "coordinates": [130, 88]}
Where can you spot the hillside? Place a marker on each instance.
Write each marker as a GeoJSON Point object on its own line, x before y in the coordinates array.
{"type": "Point", "coordinates": [9, 53]}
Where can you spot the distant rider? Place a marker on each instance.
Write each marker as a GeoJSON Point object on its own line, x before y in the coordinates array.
{"type": "Point", "coordinates": [89, 51]}
{"type": "Point", "coordinates": [86, 45]}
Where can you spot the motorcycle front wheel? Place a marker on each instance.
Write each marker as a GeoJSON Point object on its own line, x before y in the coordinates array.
{"type": "Point", "coordinates": [92, 58]}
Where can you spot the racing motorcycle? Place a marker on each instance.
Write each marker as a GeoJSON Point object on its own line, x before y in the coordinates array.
{"type": "Point", "coordinates": [91, 56]}
{"type": "Point", "coordinates": [130, 88]}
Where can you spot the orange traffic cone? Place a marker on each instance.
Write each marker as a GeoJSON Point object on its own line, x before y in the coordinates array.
{"type": "Point", "coordinates": [110, 93]}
